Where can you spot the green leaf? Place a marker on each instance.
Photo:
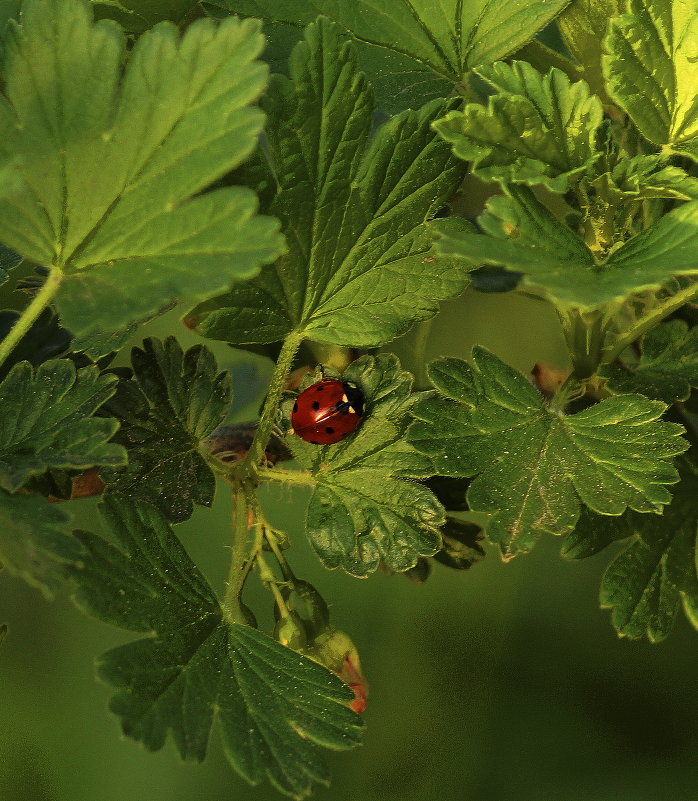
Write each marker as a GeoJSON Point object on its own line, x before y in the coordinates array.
{"type": "Point", "coordinates": [643, 178]}
{"type": "Point", "coordinates": [535, 466]}
{"type": "Point", "coordinates": [44, 340]}
{"type": "Point", "coordinates": [360, 267]}
{"type": "Point", "coordinates": [449, 38]}
{"type": "Point", "coordinates": [651, 70]}
{"type": "Point", "coordinates": [524, 236]}
{"type": "Point", "coordinates": [45, 421]}
{"type": "Point", "coordinates": [34, 541]}
{"type": "Point", "coordinates": [583, 25]}
{"type": "Point", "coordinates": [274, 706]}
{"type": "Point", "coordinates": [110, 168]}
{"type": "Point", "coordinates": [595, 532]}
{"type": "Point", "coordinates": [137, 16]}
{"type": "Point", "coordinates": [646, 583]}
{"type": "Point", "coordinates": [535, 130]}
{"type": "Point", "coordinates": [362, 509]}
{"type": "Point", "coordinates": [174, 402]}
{"type": "Point", "coordinates": [667, 369]}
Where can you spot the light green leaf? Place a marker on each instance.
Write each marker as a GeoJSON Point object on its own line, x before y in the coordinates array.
{"type": "Point", "coordinates": [274, 706]}
{"type": "Point", "coordinates": [360, 267]}
{"type": "Point", "coordinates": [534, 467]}
{"type": "Point", "coordinates": [651, 70]}
{"type": "Point", "coordinates": [524, 236]}
{"type": "Point", "coordinates": [450, 37]}
{"type": "Point", "coordinates": [34, 541]}
{"type": "Point", "coordinates": [362, 509]}
{"type": "Point", "coordinates": [535, 130]}
{"type": "Point", "coordinates": [647, 582]}
{"type": "Point", "coordinates": [174, 402]}
{"type": "Point", "coordinates": [667, 369]}
{"type": "Point", "coordinates": [45, 421]}
{"type": "Point", "coordinates": [643, 178]}
{"type": "Point", "coordinates": [110, 168]}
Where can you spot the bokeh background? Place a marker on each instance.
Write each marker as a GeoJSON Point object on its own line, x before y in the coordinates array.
{"type": "Point", "coordinates": [503, 683]}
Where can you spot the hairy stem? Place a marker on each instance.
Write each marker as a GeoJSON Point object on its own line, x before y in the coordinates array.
{"type": "Point", "coordinates": [287, 476]}
{"type": "Point", "coordinates": [29, 316]}
{"type": "Point", "coordinates": [232, 609]}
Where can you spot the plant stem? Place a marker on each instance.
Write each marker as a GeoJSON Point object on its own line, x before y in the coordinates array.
{"type": "Point", "coordinates": [585, 334]}
{"type": "Point", "coordinates": [29, 316]}
{"type": "Point", "coordinates": [271, 402]}
{"type": "Point", "coordinates": [644, 324]}
{"type": "Point", "coordinates": [232, 611]}
{"type": "Point", "coordinates": [421, 339]}
{"type": "Point", "coordinates": [287, 476]}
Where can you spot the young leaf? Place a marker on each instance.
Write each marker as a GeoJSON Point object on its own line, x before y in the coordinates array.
{"type": "Point", "coordinates": [274, 706]}
{"type": "Point", "coordinates": [651, 70]}
{"type": "Point", "coordinates": [645, 584]}
{"type": "Point", "coordinates": [360, 267]}
{"type": "Point", "coordinates": [109, 168]}
{"type": "Point", "coordinates": [643, 178]}
{"type": "Point", "coordinates": [34, 541]}
{"type": "Point", "coordinates": [449, 38]}
{"type": "Point", "coordinates": [174, 402]}
{"type": "Point", "coordinates": [667, 369]}
{"type": "Point", "coordinates": [536, 130]}
{"type": "Point", "coordinates": [535, 467]}
{"type": "Point", "coordinates": [362, 509]}
{"type": "Point", "coordinates": [45, 421]}
{"type": "Point", "coordinates": [524, 236]}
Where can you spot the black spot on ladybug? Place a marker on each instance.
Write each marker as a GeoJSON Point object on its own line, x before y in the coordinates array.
{"type": "Point", "coordinates": [314, 442]}
{"type": "Point", "coordinates": [329, 430]}
{"type": "Point", "coordinates": [295, 407]}
{"type": "Point", "coordinates": [319, 388]}
{"type": "Point", "coordinates": [316, 405]}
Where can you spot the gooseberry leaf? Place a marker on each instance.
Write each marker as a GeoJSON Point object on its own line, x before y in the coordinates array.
{"type": "Point", "coordinates": [535, 467]}
{"type": "Point", "coordinates": [667, 369]}
{"type": "Point", "coordinates": [275, 707]}
{"type": "Point", "coordinates": [448, 38]}
{"type": "Point", "coordinates": [360, 267]}
{"type": "Point", "coordinates": [643, 178]}
{"type": "Point", "coordinates": [45, 339]}
{"type": "Point", "coordinates": [174, 401]}
{"type": "Point", "coordinates": [109, 164]}
{"type": "Point", "coordinates": [594, 532]}
{"type": "Point", "coordinates": [364, 508]}
{"type": "Point", "coordinates": [536, 129]}
{"type": "Point", "coordinates": [524, 236]}
{"type": "Point", "coordinates": [651, 69]}
{"type": "Point", "coordinates": [46, 422]}
{"type": "Point", "coordinates": [34, 541]}
{"type": "Point", "coordinates": [136, 16]}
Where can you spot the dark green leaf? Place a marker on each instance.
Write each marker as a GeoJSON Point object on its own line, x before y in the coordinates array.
{"type": "Point", "coordinates": [523, 235]}
{"type": "Point", "coordinates": [651, 70]}
{"type": "Point", "coordinates": [536, 130]}
{"type": "Point", "coordinates": [137, 16]}
{"type": "Point", "coordinates": [44, 340]}
{"type": "Point", "coordinates": [594, 532]}
{"type": "Point", "coordinates": [461, 546]}
{"type": "Point", "coordinates": [45, 421]}
{"type": "Point", "coordinates": [647, 582]}
{"type": "Point", "coordinates": [274, 706]}
{"type": "Point", "coordinates": [667, 369]}
{"type": "Point", "coordinates": [534, 467]}
{"type": "Point", "coordinates": [174, 402]}
{"type": "Point", "coordinates": [109, 168]}
{"type": "Point", "coordinates": [360, 267]}
{"type": "Point", "coordinates": [362, 509]}
{"type": "Point", "coordinates": [34, 541]}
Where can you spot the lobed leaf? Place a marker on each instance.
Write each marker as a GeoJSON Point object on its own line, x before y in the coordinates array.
{"type": "Point", "coordinates": [274, 706]}
{"type": "Point", "coordinates": [362, 509]}
{"type": "Point", "coordinates": [360, 268]}
{"type": "Point", "coordinates": [534, 467]}
{"type": "Point", "coordinates": [173, 403]}
{"type": "Point", "coordinates": [524, 236]}
{"type": "Point", "coordinates": [46, 422]}
{"type": "Point", "coordinates": [651, 69]}
{"type": "Point", "coordinates": [535, 130]}
{"type": "Point", "coordinates": [109, 168]}
{"type": "Point", "coordinates": [34, 541]}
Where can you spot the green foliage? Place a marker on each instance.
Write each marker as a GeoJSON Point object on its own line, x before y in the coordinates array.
{"type": "Point", "coordinates": [109, 169]}
{"type": "Point", "coordinates": [274, 707]}
{"type": "Point", "coordinates": [362, 509]}
{"type": "Point", "coordinates": [173, 402]}
{"type": "Point", "coordinates": [534, 466]}
{"type": "Point", "coordinates": [360, 266]}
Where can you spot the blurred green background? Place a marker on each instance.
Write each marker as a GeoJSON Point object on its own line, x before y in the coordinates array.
{"type": "Point", "coordinates": [504, 683]}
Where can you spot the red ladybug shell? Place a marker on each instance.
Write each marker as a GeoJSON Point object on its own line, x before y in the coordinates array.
{"type": "Point", "coordinates": [327, 412]}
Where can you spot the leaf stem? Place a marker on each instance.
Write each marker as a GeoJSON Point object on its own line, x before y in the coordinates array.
{"type": "Point", "coordinates": [232, 609]}
{"type": "Point", "coordinates": [271, 403]}
{"type": "Point", "coordinates": [287, 476]}
{"type": "Point", "coordinates": [29, 316]}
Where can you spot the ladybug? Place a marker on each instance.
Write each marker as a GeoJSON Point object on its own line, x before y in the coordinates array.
{"type": "Point", "coordinates": [327, 411]}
